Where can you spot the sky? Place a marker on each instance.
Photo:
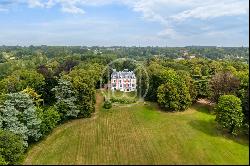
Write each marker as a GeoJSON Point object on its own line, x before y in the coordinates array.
{"type": "Point", "coordinates": [124, 22]}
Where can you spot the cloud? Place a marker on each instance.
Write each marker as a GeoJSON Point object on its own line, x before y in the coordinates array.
{"type": "Point", "coordinates": [213, 10]}
{"type": "Point", "coordinates": [175, 20]}
{"type": "Point", "coordinates": [153, 10]}
{"type": "Point", "coordinates": [168, 33]}
{"type": "Point", "coordinates": [71, 8]}
{"type": "Point", "coordinates": [35, 3]}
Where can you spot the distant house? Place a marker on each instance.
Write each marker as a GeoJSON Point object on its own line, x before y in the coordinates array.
{"type": "Point", "coordinates": [123, 80]}
{"type": "Point", "coordinates": [179, 58]}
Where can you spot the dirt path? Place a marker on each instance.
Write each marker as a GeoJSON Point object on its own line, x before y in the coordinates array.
{"type": "Point", "coordinates": [98, 104]}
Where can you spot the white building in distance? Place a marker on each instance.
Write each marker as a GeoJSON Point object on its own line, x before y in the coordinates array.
{"type": "Point", "coordinates": [123, 80]}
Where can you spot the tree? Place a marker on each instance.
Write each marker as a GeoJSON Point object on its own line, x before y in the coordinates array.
{"type": "Point", "coordinates": [173, 95]}
{"type": "Point", "coordinates": [245, 107]}
{"type": "Point", "coordinates": [168, 97]}
{"type": "Point", "coordinates": [202, 87]}
{"type": "Point", "coordinates": [21, 79]}
{"type": "Point", "coordinates": [66, 100]}
{"type": "Point", "coordinates": [50, 82]}
{"type": "Point", "coordinates": [11, 148]}
{"type": "Point", "coordinates": [223, 83]}
{"type": "Point", "coordinates": [33, 95]}
{"type": "Point", "coordinates": [66, 66]}
{"type": "Point", "coordinates": [229, 113]}
{"type": "Point", "coordinates": [190, 83]}
{"type": "Point", "coordinates": [157, 75]}
{"type": "Point", "coordinates": [20, 117]}
{"type": "Point", "coordinates": [243, 77]}
{"type": "Point", "coordinates": [50, 117]}
{"type": "Point", "coordinates": [84, 83]}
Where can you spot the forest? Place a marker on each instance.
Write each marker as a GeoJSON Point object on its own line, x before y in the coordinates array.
{"type": "Point", "coordinates": [42, 87]}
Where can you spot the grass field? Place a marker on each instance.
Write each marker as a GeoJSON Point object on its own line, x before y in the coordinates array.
{"type": "Point", "coordinates": [140, 134]}
{"type": "Point", "coordinates": [120, 94]}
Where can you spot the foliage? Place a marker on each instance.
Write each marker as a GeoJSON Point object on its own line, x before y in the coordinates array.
{"type": "Point", "coordinates": [223, 83]}
{"type": "Point", "coordinates": [66, 100]}
{"type": "Point", "coordinates": [84, 82]}
{"type": "Point", "coordinates": [245, 108]}
{"type": "Point", "coordinates": [66, 66]}
{"type": "Point", "coordinates": [50, 118]}
{"type": "Point", "coordinates": [50, 82]}
{"type": "Point", "coordinates": [202, 87]}
{"type": "Point", "coordinates": [21, 79]}
{"type": "Point", "coordinates": [33, 95]}
{"type": "Point", "coordinates": [173, 95]}
{"type": "Point", "coordinates": [11, 148]}
{"type": "Point", "coordinates": [19, 116]}
{"type": "Point", "coordinates": [2, 161]}
{"type": "Point", "coordinates": [190, 83]}
{"type": "Point", "coordinates": [107, 104]}
{"type": "Point", "coordinates": [122, 100]}
{"type": "Point", "coordinates": [229, 113]}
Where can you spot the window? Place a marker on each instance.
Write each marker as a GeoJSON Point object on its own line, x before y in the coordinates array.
{"type": "Point", "coordinates": [133, 85]}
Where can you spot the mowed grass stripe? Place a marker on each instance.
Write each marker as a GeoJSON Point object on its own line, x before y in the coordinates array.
{"type": "Point", "coordinates": [140, 134]}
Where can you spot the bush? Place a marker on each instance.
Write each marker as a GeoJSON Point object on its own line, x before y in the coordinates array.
{"type": "Point", "coordinates": [11, 148]}
{"type": "Point", "coordinates": [2, 161]}
{"type": "Point", "coordinates": [107, 104]}
{"type": "Point", "coordinates": [229, 113]}
{"type": "Point", "coordinates": [122, 100]}
{"type": "Point", "coordinates": [50, 117]}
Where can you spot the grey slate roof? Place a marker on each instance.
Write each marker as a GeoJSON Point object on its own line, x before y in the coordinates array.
{"type": "Point", "coordinates": [122, 74]}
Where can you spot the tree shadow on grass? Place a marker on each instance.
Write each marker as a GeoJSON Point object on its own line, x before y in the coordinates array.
{"type": "Point", "coordinates": [210, 128]}
{"type": "Point", "coordinates": [204, 108]}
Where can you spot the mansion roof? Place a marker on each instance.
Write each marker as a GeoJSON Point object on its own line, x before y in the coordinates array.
{"type": "Point", "coordinates": [123, 74]}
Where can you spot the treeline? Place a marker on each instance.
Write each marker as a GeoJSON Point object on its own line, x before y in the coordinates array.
{"type": "Point", "coordinates": [175, 85]}
{"type": "Point", "coordinates": [213, 53]}
{"type": "Point", "coordinates": [36, 97]}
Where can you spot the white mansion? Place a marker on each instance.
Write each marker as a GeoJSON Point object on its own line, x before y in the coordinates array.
{"type": "Point", "coordinates": [123, 80]}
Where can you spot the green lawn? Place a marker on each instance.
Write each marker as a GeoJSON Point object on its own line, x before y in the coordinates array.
{"type": "Point", "coordinates": [140, 134]}
{"type": "Point", "coordinates": [120, 94]}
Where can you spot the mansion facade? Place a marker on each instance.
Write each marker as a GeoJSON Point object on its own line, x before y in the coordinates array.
{"type": "Point", "coordinates": [123, 80]}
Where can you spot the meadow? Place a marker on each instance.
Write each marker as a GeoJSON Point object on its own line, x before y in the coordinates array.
{"type": "Point", "coordinates": [140, 134]}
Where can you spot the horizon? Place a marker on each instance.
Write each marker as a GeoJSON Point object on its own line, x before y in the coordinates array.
{"type": "Point", "coordinates": [174, 23]}
{"type": "Point", "coordinates": [245, 46]}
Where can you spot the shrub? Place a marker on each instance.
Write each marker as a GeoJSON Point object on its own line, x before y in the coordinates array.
{"type": "Point", "coordinates": [11, 148]}
{"type": "Point", "coordinates": [107, 104]}
{"type": "Point", "coordinates": [50, 117]}
{"type": "Point", "coordinates": [122, 100]}
{"type": "Point", "coordinates": [2, 161]}
{"type": "Point", "coordinates": [229, 113]}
